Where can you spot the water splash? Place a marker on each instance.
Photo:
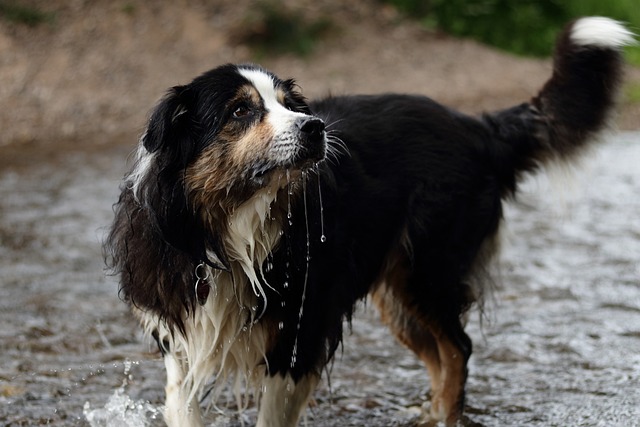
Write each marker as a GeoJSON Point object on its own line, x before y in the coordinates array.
{"type": "Point", "coordinates": [121, 410]}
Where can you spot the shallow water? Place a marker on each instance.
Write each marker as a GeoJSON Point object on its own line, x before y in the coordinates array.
{"type": "Point", "coordinates": [558, 345]}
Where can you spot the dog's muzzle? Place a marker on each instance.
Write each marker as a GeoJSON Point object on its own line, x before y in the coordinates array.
{"type": "Point", "coordinates": [306, 145]}
{"type": "Point", "coordinates": [312, 138]}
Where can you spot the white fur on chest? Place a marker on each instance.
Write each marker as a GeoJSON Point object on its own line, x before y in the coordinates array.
{"type": "Point", "coordinates": [224, 338]}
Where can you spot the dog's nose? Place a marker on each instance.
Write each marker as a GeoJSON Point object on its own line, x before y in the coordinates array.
{"type": "Point", "coordinates": [311, 137]}
{"type": "Point", "coordinates": [311, 128]}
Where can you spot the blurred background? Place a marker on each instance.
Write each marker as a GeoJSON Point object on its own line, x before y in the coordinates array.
{"type": "Point", "coordinates": [91, 70]}
{"type": "Point", "coordinates": [560, 342]}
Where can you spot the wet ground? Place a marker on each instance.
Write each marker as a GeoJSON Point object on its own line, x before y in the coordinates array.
{"type": "Point", "coordinates": [559, 344]}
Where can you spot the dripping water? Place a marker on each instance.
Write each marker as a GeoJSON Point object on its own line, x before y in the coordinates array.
{"type": "Point", "coordinates": [289, 193]}
{"type": "Point", "coordinates": [323, 237]}
{"type": "Point", "coordinates": [306, 273]}
{"type": "Point", "coordinates": [306, 217]}
{"type": "Point", "coordinates": [287, 272]}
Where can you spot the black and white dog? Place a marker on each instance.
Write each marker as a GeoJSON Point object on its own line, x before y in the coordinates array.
{"type": "Point", "coordinates": [252, 221]}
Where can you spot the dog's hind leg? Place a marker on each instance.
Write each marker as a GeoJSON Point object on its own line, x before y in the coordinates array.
{"type": "Point", "coordinates": [454, 349]}
{"type": "Point", "coordinates": [284, 400]}
{"type": "Point", "coordinates": [442, 345]}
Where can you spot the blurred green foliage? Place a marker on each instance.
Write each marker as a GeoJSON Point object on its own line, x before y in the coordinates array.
{"type": "Point", "coordinates": [27, 15]}
{"type": "Point", "coordinates": [524, 27]}
{"type": "Point", "coordinates": [632, 93]}
{"type": "Point", "coordinates": [273, 28]}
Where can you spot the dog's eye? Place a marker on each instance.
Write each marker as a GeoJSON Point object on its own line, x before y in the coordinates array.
{"type": "Point", "coordinates": [241, 111]}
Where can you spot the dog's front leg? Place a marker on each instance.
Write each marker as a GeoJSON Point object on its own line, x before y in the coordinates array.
{"type": "Point", "coordinates": [284, 400]}
{"type": "Point", "coordinates": [179, 411]}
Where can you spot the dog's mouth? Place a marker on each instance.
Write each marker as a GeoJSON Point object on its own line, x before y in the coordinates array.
{"type": "Point", "coordinates": [298, 156]}
{"type": "Point", "coordinates": [299, 147]}
{"type": "Point", "coordinates": [305, 158]}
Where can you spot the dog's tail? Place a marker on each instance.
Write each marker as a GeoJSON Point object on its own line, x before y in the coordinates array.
{"type": "Point", "coordinates": [574, 106]}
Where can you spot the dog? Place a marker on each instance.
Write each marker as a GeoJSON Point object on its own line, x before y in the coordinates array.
{"type": "Point", "coordinates": [253, 221]}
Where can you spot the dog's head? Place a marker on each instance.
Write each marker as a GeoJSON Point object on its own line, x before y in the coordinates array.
{"type": "Point", "coordinates": [231, 129]}
{"type": "Point", "coordinates": [210, 146]}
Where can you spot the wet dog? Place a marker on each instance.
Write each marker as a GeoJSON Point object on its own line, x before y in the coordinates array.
{"type": "Point", "coordinates": [253, 221]}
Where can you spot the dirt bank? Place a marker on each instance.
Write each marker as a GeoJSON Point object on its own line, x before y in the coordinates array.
{"type": "Point", "coordinates": [95, 71]}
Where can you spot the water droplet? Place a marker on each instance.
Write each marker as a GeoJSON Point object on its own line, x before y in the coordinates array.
{"type": "Point", "coordinates": [306, 274]}
{"type": "Point", "coordinates": [289, 193]}
{"type": "Point", "coordinates": [127, 367]}
{"type": "Point", "coordinates": [285, 285]}
{"type": "Point", "coordinates": [281, 325]}
{"type": "Point", "coordinates": [322, 237]}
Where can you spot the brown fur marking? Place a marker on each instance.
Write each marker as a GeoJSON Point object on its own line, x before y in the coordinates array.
{"type": "Point", "coordinates": [444, 361]}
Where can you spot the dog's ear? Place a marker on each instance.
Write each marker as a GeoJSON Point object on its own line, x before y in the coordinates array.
{"type": "Point", "coordinates": [172, 138]}
{"type": "Point", "coordinates": [157, 271]}
{"type": "Point", "coordinates": [171, 125]}
{"type": "Point", "coordinates": [295, 100]}
{"type": "Point", "coordinates": [153, 275]}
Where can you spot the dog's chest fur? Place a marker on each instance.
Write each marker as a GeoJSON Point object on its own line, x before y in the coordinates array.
{"type": "Point", "coordinates": [226, 337]}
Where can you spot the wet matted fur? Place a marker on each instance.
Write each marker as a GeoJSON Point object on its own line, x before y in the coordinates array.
{"type": "Point", "coordinates": [253, 221]}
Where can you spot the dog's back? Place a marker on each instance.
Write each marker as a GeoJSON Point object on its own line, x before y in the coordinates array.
{"type": "Point", "coordinates": [420, 194]}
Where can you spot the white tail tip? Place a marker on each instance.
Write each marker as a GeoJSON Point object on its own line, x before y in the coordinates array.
{"type": "Point", "coordinates": [601, 32]}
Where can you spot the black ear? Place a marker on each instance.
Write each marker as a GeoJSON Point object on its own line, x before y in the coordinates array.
{"type": "Point", "coordinates": [173, 136]}
{"type": "Point", "coordinates": [295, 100]}
{"type": "Point", "coordinates": [155, 273]}
{"type": "Point", "coordinates": [170, 125]}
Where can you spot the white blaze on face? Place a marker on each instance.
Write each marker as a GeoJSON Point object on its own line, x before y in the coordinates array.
{"type": "Point", "coordinates": [279, 118]}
